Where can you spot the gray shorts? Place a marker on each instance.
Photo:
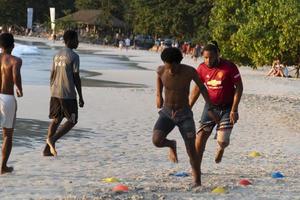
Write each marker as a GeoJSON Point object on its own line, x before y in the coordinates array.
{"type": "Point", "coordinates": [182, 118]}
{"type": "Point", "coordinates": [224, 127]}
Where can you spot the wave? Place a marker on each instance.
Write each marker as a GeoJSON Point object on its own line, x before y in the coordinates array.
{"type": "Point", "coordinates": [21, 49]}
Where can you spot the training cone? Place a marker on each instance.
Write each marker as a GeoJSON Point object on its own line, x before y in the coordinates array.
{"type": "Point", "coordinates": [180, 174]}
{"type": "Point", "coordinates": [245, 182]}
{"type": "Point", "coordinates": [120, 188]}
{"type": "Point", "coordinates": [219, 190]}
{"type": "Point", "coordinates": [254, 154]}
{"type": "Point", "coordinates": [111, 180]}
{"type": "Point", "coordinates": [277, 175]}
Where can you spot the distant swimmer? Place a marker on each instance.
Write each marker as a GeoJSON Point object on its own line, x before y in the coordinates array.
{"type": "Point", "coordinates": [224, 84]}
{"type": "Point", "coordinates": [175, 78]}
{"type": "Point", "coordinates": [63, 82]}
{"type": "Point", "coordinates": [10, 75]}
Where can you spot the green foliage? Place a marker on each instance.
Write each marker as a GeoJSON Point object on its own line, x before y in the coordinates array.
{"type": "Point", "coordinates": [175, 18]}
{"type": "Point", "coordinates": [255, 32]}
{"type": "Point", "coordinates": [12, 11]}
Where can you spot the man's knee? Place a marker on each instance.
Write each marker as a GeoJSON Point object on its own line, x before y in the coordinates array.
{"type": "Point", "coordinates": [72, 123]}
{"type": "Point", "coordinates": [157, 138]}
{"type": "Point", "coordinates": [223, 144]}
{"type": "Point", "coordinates": [7, 133]}
{"type": "Point", "coordinates": [223, 138]}
{"type": "Point", "coordinates": [57, 120]}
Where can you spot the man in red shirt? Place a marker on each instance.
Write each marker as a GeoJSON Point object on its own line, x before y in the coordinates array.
{"type": "Point", "coordinates": [224, 84]}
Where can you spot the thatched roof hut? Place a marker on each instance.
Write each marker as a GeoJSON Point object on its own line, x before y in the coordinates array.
{"type": "Point", "coordinates": [92, 17]}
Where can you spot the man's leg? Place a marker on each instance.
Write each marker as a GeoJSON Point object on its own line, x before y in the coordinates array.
{"type": "Point", "coordinates": [187, 129]}
{"type": "Point", "coordinates": [200, 143]}
{"type": "Point", "coordinates": [194, 160]}
{"type": "Point", "coordinates": [161, 130]}
{"type": "Point", "coordinates": [54, 124]}
{"type": "Point", "coordinates": [63, 129]}
{"type": "Point", "coordinates": [6, 149]}
{"type": "Point", "coordinates": [223, 141]}
{"type": "Point", "coordinates": [159, 140]}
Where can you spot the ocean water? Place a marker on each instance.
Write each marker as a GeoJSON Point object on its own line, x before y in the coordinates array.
{"type": "Point", "coordinates": [37, 62]}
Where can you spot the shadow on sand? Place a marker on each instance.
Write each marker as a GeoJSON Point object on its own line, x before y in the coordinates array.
{"type": "Point", "coordinates": [31, 132]}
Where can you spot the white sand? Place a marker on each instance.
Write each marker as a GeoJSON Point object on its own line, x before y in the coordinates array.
{"type": "Point", "coordinates": [117, 125]}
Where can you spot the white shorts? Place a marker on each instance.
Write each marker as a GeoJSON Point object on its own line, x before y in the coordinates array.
{"type": "Point", "coordinates": [8, 109]}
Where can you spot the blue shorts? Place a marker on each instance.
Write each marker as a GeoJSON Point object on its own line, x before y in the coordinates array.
{"type": "Point", "coordinates": [222, 112]}
{"type": "Point", "coordinates": [182, 118]}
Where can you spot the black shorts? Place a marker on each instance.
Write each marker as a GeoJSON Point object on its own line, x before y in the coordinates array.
{"type": "Point", "coordinates": [183, 118]}
{"type": "Point", "coordinates": [60, 108]}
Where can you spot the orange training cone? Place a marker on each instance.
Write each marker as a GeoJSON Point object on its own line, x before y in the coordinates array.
{"type": "Point", "coordinates": [120, 188]}
{"type": "Point", "coordinates": [245, 182]}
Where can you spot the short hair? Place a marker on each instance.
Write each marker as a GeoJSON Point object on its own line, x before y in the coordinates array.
{"type": "Point", "coordinates": [69, 36]}
{"type": "Point", "coordinates": [6, 40]}
{"type": "Point", "coordinates": [212, 46]}
{"type": "Point", "coordinates": [171, 55]}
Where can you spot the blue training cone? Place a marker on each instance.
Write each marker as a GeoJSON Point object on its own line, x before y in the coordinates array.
{"type": "Point", "coordinates": [277, 175]}
{"type": "Point", "coordinates": [180, 174]}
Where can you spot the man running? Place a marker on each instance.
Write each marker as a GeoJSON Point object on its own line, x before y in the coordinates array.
{"type": "Point", "coordinates": [225, 88]}
{"type": "Point", "coordinates": [175, 79]}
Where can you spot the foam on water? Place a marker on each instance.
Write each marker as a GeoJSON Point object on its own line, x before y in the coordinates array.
{"type": "Point", "coordinates": [21, 49]}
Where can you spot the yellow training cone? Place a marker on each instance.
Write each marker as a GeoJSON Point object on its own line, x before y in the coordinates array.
{"type": "Point", "coordinates": [219, 190]}
{"type": "Point", "coordinates": [110, 180]}
{"type": "Point", "coordinates": [254, 154]}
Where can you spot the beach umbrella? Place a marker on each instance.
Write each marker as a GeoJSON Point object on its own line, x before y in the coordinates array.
{"type": "Point", "coordinates": [245, 182]}
{"type": "Point", "coordinates": [277, 175]}
{"type": "Point", "coordinates": [219, 190]}
{"type": "Point", "coordinates": [120, 188]}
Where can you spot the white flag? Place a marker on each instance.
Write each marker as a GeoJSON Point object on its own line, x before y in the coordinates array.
{"type": "Point", "coordinates": [29, 17]}
{"type": "Point", "coordinates": [52, 18]}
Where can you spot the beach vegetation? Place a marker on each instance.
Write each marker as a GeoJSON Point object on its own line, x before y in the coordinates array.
{"type": "Point", "coordinates": [255, 32]}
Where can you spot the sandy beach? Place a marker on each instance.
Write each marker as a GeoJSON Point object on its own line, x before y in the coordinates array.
{"type": "Point", "coordinates": [113, 139]}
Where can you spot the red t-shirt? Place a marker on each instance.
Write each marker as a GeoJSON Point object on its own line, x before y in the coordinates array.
{"type": "Point", "coordinates": [220, 81]}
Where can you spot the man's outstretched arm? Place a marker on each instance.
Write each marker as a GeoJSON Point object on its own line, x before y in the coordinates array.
{"type": "Point", "coordinates": [199, 88]}
{"type": "Point", "coordinates": [194, 95]}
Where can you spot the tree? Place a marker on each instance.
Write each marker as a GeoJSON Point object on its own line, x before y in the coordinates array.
{"type": "Point", "coordinates": [176, 18]}
{"type": "Point", "coordinates": [255, 32]}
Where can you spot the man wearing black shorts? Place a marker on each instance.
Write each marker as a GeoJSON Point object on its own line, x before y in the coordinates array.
{"type": "Point", "coordinates": [175, 79]}
{"type": "Point", "coordinates": [63, 81]}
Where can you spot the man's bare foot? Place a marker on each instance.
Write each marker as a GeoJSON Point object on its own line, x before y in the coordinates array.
{"type": "Point", "coordinates": [173, 153]}
{"type": "Point", "coordinates": [219, 155]}
{"type": "Point", "coordinates": [52, 147]}
{"type": "Point", "coordinates": [46, 151]}
{"type": "Point", "coordinates": [6, 170]}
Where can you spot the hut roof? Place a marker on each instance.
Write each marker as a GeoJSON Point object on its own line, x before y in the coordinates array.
{"type": "Point", "coordinates": [92, 17]}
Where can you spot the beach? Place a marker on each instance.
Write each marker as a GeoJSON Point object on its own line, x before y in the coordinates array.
{"type": "Point", "coordinates": [113, 138]}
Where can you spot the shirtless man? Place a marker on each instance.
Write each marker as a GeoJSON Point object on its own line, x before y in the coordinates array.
{"type": "Point", "coordinates": [10, 75]}
{"type": "Point", "coordinates": [175, 78]}
{"type": "Point", "coordinates": [63, 81]}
